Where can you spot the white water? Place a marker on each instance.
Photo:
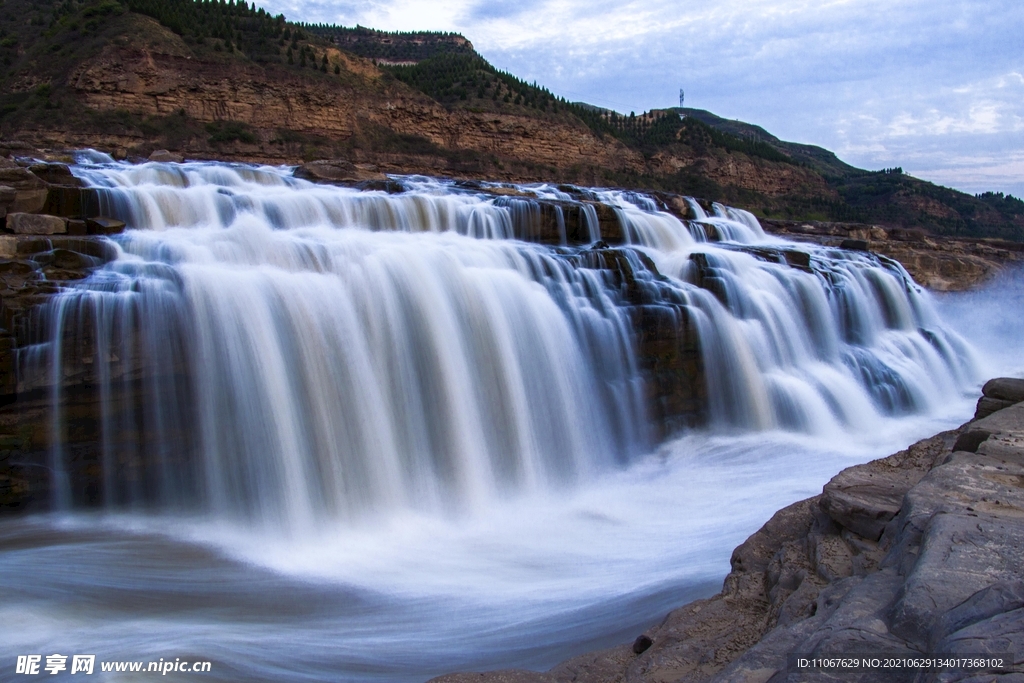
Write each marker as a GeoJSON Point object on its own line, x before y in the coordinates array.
{"type": "Point", "coordinates": [412, 453]}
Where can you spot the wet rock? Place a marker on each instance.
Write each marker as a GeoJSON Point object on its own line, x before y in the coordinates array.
{"type": "Point", "coordinates": [72, 260]}
{"type": "Point", "coordinates": [103, 225]}
{"type": "Point", "coordinates": [337, 171]}
{"type": "Point", "coordinates": [72, 202]}
{"type": "Point", "coordinates": [35, 224]}
{"type": "Point", "coordinates": [799, 259]}
{"type": "Point", "coordinates": [386, 185]}
{"type": "Point", "coordinates": [854, 245]}
{"type": "Point", "coordinates": [162, 155]}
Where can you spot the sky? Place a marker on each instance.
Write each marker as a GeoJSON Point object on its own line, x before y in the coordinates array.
{"type": "Point", "coordinates": [933, 86]}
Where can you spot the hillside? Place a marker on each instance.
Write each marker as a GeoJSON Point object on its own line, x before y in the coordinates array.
{"type": "Point", "coordinates": [226, 80]}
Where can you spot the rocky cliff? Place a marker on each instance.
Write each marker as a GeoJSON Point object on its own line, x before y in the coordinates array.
{"type": "Point", "coordinates": [234, 83]}
{"type": "Point", "coordinates": [939, 263]}
{"type": "Point", "coordinates": [914, 554]}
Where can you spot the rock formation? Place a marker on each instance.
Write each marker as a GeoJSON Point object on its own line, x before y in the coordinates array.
{"type": "Point", "coordinates": [917, 553]}
{"type": "Point", "coordinates": [65, 239]}
{"type": "Point", "coordinates": [939, 263]}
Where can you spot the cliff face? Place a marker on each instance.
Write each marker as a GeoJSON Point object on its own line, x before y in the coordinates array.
{"type": "Point", "coordinates": [741, 171]}
{"type": "Point", "coordinates": [940, 263]}
{"type": "Point", "coordinates": [148, 72]}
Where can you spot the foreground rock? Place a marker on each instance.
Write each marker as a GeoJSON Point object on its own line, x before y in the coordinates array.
{"type": "Point", "coordinates": [917, 553]}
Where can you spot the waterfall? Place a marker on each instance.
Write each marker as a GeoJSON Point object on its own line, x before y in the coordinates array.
{"type": "Point", "coordinates": [274, 351]}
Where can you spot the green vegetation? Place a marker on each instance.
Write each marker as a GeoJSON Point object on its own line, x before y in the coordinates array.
{"type": "Point", "coordinates": [398, 46]}
{"type": "Point", "coordinates": [230, 25]}
{"type": "Point", "coordinates": [43, 42]}
{"type": "Point", "coordinates": [230, 131]}
{"type": "Point", "coordinates": [656, 130]}
{"type": "Point", "coordinates": [467, 79]}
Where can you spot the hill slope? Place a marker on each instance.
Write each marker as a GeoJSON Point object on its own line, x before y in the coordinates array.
{"type": "Point", "coordinates": [225, 80]}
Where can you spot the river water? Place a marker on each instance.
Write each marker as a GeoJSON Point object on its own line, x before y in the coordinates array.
{"type": "Point", "coordinates": [419, 443]}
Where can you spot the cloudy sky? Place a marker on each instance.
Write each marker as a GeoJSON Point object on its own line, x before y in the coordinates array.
{"type": "Point", "coordinates": [934, 86]}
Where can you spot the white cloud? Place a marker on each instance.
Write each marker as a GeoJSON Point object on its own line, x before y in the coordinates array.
{"type": "Point", "coordinates": [881, 82]}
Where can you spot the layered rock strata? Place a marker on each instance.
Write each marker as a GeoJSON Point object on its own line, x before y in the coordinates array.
{"type": "Point", "coordinates": [917, 553]}
{"type": "Point", "coordinates": [939, 263]}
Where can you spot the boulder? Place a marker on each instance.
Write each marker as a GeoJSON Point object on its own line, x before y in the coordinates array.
{"type": "Point", "coordinates": [55, 174]}
{"type": "Point", "coordinates": [103, 225]}
{"type": "Point", "coordinates": [72, 260]}
{"type": "Point", "coordinates": [1005, 389]}
{"type": "Point", "coordinates": [798, 259]}
{"type": "Point", "coordinates": [987, 406]}
{"type": "Point", "coordinates": [71, 201]}
{"type": "Point", "coordinates": [337, 171]}
{"type": "Point", "coordinates": [854, 245]}
{"type": "Point", "coordinates": [35, 224]}
{"type": "Point", "coordinates": [30, 191]}
{"type": "Point", "coordinates": [162, 155]}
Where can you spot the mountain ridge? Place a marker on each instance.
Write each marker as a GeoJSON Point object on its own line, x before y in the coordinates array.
{"type": "Point", "coordinates": [224, 80]}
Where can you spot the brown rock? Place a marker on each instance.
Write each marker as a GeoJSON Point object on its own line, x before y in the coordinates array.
{"type": "Point", "coordinates": [102, 225]}
{"type": "Point", "coordinates": [30, 191]}
{"type": "Point", "coordinates": [35, 224]}
{"type": "Point", "coordinates": [8, 246]}
{"type": "Point", "coordinates": [70, 201]}
{"type": "Point", "coordinates": [55, 174]}
{"type": "Point", "coordinates": [162, 155]}
{"type": "Point", "coordinates": [336, 171]}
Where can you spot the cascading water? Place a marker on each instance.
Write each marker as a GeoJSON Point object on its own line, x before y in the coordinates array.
{"type": "Point", "coordinates": [309, 362]}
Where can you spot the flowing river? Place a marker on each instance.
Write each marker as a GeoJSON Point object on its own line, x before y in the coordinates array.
{"type": "Point", "coordinates": [386, 436]}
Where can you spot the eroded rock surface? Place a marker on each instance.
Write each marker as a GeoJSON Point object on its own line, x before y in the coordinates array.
{"type": "Point", "coordinates": [938, 263]}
